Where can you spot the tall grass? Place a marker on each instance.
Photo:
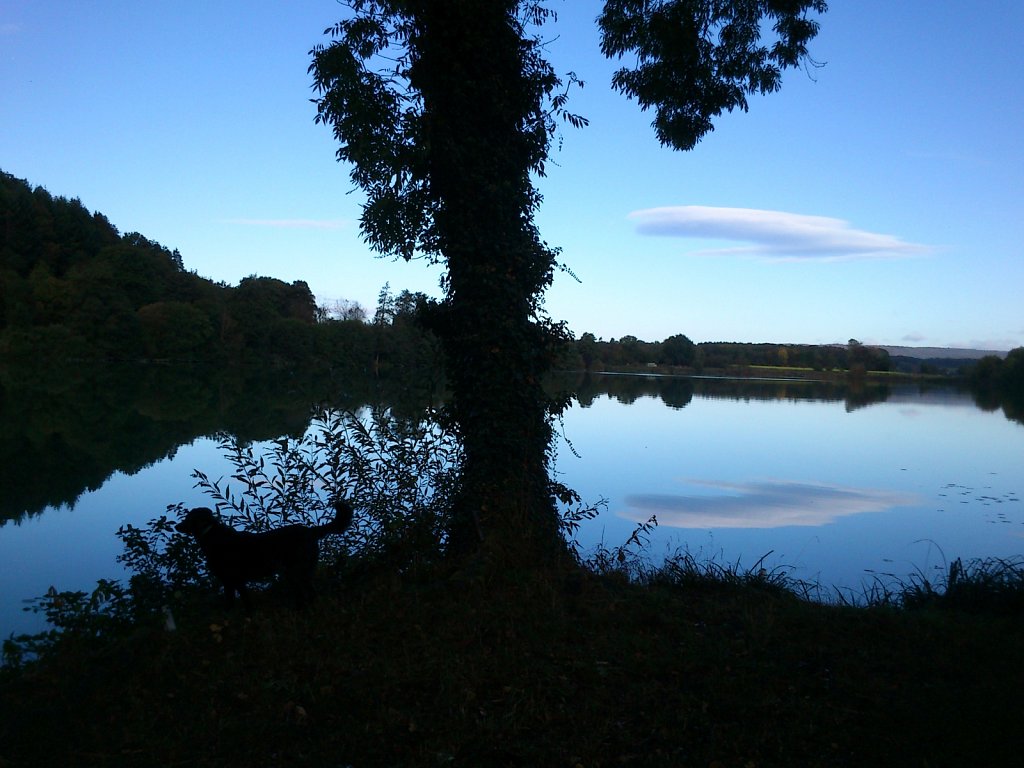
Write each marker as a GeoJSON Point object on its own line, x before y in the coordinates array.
{"type": "Point", "coordinates": [980, 585]}
{"type": "Point", "coordinates": [685, 569]}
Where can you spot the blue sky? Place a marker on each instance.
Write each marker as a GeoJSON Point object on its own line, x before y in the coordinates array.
{"type": "Point", "coordinates": [879, 197]}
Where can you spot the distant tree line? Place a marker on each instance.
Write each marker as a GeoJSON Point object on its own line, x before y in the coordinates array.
{"type": "Point", "coordinates": [73, 288]}
{"type": "Point", "coordinates": [595, 354]}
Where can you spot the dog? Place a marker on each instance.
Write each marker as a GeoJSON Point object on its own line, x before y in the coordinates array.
{"type": "Point", "coordinates": [236, 558]}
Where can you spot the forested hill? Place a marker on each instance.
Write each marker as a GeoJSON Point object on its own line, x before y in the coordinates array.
{"type": "Point", "coordinates": [73, 287]}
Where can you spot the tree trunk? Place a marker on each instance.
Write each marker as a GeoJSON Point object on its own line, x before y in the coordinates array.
{"type": "Point", "coordinates": [468, 65]}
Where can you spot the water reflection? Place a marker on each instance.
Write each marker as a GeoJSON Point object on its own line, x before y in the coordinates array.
{"type": "Point", "coordinates": [827, 459]}
{"type": "Point", "coordinates": [674, 391]}
{"type": "Point", "coordinates": [66, 431]}
{"type": "Point", "coordinates": [762, 504]}
{"type": "Point", "coordinates": [677, 391]}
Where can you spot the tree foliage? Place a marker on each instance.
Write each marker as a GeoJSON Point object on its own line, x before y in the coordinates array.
{"type": "Point", "coordinates": [74, 288]}
{"type": "Point", "coordinates": [696, 59]}
{"type": "Point", "coordinates": [389, 75]}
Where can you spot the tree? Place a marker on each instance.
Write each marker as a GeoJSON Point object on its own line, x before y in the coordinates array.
{"type": "Point", "coordinates": [1013, 371]}
{"type": "Point", "coordinates": [861, 358]}
{"type": "Point", "coordinates": [269, 317]}
{"type": "Point", "coordinates": [678, 350]}
{"type": "Point", "coordinates": [587, 347]}
{"type": "Point", "coordinates": [445, 109]}
{"type": "Point", "coordinates": [175, 330]}
{"type": "Point", "coordinates": [348, 310]}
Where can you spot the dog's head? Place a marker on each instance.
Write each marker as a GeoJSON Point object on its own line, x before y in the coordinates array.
{"type": "Point", "coordinates": [197, 521]}
{"type": "Point", "coordinates": [343, 514]}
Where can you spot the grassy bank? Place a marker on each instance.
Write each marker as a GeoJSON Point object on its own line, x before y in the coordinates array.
{"type": "Point", "coordinates": [539, 670]}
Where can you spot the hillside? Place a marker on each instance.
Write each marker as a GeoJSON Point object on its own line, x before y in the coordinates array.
{"type": "Point", "coordinates": [941, 353]}
{"type": "Point", "coordinates": [74, 288]}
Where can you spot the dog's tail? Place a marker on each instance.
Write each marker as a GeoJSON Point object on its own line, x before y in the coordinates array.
{"type": "Point", "coordinates": [343, 514]}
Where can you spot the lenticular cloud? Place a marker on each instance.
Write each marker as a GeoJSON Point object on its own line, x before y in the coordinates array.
{"type": "Point", "coordinates": [772, 234]}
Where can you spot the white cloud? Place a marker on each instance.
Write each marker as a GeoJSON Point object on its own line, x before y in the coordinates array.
{"type": "Point", "coordinates": [289, 223]}
{"type": "Point", "coordinates": [914, 337]}
{"type": "Point", "coordinates": [762, 504]}
{"type": "Point", "coordinates": [773, 234]}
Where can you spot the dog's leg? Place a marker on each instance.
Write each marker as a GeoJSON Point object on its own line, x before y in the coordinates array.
{"type": "Point", "coordinates": [243, 593]}
{"type": "Point", "coordinates": [229, 595]}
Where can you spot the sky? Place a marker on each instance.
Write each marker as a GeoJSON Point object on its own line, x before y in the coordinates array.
{"type": "Point", "coordinates": [878, 197]}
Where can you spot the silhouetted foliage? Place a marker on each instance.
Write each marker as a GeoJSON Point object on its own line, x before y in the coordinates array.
{"type": "Point", "coordinates": [698, 58]}
{"type": "Point", "coordinates": [444, 110]}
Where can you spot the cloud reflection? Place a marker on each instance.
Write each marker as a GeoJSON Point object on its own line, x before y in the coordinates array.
{"type": "Point", "coordinates": [762, 504]}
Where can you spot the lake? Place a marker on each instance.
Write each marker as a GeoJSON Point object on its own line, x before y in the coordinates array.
{"type": "Point", "coordinates": [836, 485]}
{"type": "Point", "coordinates": [831, 485]}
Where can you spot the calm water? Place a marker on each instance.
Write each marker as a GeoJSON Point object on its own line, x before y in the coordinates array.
{"type": "Point", "coordinates": [832, 491]}
{"type": "Point", "coordinates": [831, 486]}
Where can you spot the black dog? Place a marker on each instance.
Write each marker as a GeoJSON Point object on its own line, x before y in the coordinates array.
{"type": "Point", "coordinates": [237, 557]}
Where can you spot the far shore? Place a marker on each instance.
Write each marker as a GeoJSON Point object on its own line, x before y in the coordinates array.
{"type": "Point", "coordinates": [770, 373]}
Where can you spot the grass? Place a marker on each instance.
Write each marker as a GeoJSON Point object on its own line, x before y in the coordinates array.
{"type": "Point", "coordinates": [683, 666]}
{"type": "Point", "coordinates": [987, 585]}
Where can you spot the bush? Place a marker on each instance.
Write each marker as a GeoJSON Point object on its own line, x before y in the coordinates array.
{"type": "Point", "coordinates": [399, 475]}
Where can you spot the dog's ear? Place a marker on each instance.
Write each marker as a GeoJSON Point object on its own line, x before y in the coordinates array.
{"type": "Point", "coordinates": [194, 520]}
